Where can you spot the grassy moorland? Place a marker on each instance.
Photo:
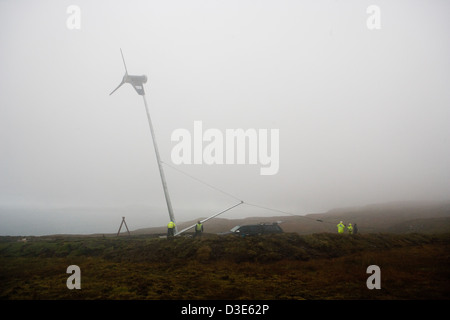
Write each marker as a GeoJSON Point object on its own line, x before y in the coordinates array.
{"type": "Point", "coordinates": [285, 266]}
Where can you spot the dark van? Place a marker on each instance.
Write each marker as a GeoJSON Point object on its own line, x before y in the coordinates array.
{"type": "Point", "coordinates": [255, 229]}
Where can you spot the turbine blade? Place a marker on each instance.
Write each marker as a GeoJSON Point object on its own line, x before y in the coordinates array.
{"type": "Point", "coordinates": [117, 87]}
{"type": "Point", "coordinates": [123, 59]}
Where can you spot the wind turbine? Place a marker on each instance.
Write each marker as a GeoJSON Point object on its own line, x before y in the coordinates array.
{"type": "Point", "coordinates": [138, 84]}
{"type": "Point", "coordinates": [136, 81]}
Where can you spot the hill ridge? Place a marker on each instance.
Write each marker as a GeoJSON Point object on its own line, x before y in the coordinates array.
{"type": "Point", "coordinates": [393, 217]}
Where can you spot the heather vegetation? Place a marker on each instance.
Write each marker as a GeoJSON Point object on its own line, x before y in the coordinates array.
{"type": "Point", "coordinates": [283, 266]}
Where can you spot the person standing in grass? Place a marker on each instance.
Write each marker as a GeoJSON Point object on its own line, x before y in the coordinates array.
{"type": "Point", "coordinates": [198, 229]}
{"type": "Point", "coordinates": [170, 229]}
{"type": "Point", "coordinates": [350, 228]}
{"type": "Point", "coordinates": [341, 227]}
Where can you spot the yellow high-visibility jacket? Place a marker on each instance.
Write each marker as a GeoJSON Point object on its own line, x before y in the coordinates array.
{"type": "Point", "coordinates": [171, 225]}
{"type": "Point", "coordinates": [350, 228]}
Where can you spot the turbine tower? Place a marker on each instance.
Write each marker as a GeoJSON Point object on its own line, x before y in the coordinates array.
{"type": "Point", "coordinates": [138, 84]}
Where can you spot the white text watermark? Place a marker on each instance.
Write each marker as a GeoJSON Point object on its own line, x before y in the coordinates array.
{"type": "Point", "coordinates": [235, 146]}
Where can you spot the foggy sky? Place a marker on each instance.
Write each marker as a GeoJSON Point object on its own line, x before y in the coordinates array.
{"type": "Point", "coordinates": [363, 115]}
